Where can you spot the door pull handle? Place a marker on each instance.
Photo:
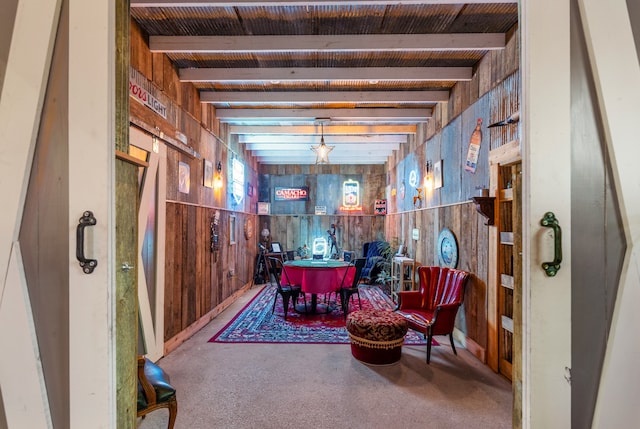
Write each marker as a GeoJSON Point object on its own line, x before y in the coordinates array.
{"type": "Point", "coordinates": [87, 265]}
{"type": "Point", "coordinates": [549, 220]}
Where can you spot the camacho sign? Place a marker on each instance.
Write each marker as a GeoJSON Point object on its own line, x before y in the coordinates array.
{"type": "Point", "coordinates": [292, 194]}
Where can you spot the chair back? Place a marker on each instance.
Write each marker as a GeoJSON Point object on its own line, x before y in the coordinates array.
{"type": "Point", "coordinates": [441, 285]}
{"type": "Point", "coordinates": [358, 263]}
{"type": "Point", "coordinates": [275, 265]}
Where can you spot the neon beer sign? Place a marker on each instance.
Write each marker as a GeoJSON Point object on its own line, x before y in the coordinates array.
{"type": "Point", "coordinates": [350, 196]}
{"type": "Point", "coordinates": [292, 194]}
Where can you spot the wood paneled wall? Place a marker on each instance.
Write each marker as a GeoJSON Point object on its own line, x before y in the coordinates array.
{"type": "Point", "coordinates": [197, 279]}
{"type": "Point", "coordinates": [294, 231]}
{"type": "Point", "coordinates": [471, 234]}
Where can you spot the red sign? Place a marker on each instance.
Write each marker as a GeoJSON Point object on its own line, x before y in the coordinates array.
{"type": "Point", "coordinates": [292, 194]}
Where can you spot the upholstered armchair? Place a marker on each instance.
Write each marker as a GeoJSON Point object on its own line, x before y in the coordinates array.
{"type": "Point", "coordinates": [154, 391]}
{"type": "Point", "coordinates": [432, 308]}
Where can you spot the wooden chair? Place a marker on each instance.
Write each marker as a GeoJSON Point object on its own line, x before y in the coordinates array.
{"type": "Point", "coordinates": [288, 291]}
{"type": "Point", "coordinates": [348, 290]}
{"type": "Point", "coordinates": [154, 390]}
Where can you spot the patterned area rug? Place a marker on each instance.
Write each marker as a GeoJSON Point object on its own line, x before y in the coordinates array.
{"type": "Point", "coordinates": [256, 324]}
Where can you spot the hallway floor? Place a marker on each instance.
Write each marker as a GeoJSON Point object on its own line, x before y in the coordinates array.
{"type": "Point", "coordinates": [250, 386]}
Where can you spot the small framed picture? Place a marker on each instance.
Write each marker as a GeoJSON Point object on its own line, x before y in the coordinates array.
{"type": "Point", "coordinates": [437, 175]}
{"type": "Point", "coordinates": [264, 208]}
{"type": "Point", "coordinates": [249, 190]}
{"type": "Point", "coordinates": [275, 247]}
{"type": "Point", "coordinates": [184, 177]}
{"type": "Point", "coordinates": [207, 174]}
{"type": "Point", "coordinates": [232, 230]}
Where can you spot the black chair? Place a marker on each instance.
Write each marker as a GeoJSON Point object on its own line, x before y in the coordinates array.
{"type": "Point", "coordinates": [154, 391]}
{"type": "Point", "coordinates": [288, 292]}
{"type": "Point", "coordinates": [346, 290]}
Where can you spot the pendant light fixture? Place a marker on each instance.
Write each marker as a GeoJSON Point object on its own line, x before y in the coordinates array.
{"type": "Point", "coordinates": [322, 150]}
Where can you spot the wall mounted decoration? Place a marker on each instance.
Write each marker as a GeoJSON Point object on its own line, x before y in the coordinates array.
{"type": "Point", "coordinates": [300, 193]}
{"type": "Point", "coordinates": [474, 148]}
{"type": "Point", "coordinates": [207, 173]}
{"type": "Point", "coordinates": [248, 228]}
{"type": "Point", "coordinates": [264, 208]}
{"type": "Point", "coordinates": [184, 177]}
{"type": "Point", "coordinates": [249, 190]}
{"type": "Point", "coordinates": [437, 175]}
{"type": "Point", "coordinates": [380, 207]}
{"type": "Point", "coordinates": [232, 229]}
{"type": "Point", "coordinates": [447, 249]}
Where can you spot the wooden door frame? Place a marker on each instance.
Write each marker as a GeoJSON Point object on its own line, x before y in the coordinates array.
{"type": "Point", "coordinates": [152, 323]}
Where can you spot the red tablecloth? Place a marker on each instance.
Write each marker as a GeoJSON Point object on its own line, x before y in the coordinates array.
{"type": "Point", "coordinates": [318, 278]}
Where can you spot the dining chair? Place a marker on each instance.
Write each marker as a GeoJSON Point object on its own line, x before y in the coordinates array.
{"type": "Point", "coordinates": [348, 290]}
{"type": "Point", "coordinates": [154, 391]}
{"type": "Point", "coordinates": [288, 291]}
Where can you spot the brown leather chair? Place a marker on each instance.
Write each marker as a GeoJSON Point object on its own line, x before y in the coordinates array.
{"type": "Point", "coordinates": [432, 309]}
{"type": "Point", "coordinates": [154, 390]}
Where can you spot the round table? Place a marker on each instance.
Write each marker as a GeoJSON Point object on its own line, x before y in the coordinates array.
{"type": "Point", "coordinates": [318, 277]}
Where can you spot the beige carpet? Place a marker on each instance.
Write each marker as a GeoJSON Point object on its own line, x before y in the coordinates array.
{"type": "Point", "coordinates": [316, 385]}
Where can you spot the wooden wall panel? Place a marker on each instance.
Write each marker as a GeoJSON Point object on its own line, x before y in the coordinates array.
{"type": "Point", "coordinates": [198, 280]}
{"type": "Point", "coordinates": [471, 234]}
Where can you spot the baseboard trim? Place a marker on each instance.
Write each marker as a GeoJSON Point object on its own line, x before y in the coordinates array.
{"type": "Point", "coordinates": [173, 343]}
{"type": "Point", "coordinates": [474, 348]}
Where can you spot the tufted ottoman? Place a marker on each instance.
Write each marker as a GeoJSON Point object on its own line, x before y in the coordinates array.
{"type": "Point", "coordinates": [376, 336]}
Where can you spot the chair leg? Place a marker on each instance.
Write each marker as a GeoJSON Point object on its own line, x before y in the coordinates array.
{"type": "Point", "coordinates": [452, 345]}
{"type": "Point", "coordinates": [359, 302]}
{"type": "Point", "coordinates": [275, 299]}
{"type": "Point", "coordinates": [429, 337]}
{"type": "Point", "coordinates": [285, 305]}
{"type": "Point", "coordinates": [173, 411]}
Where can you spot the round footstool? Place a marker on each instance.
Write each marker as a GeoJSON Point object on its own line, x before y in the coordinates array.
{"type": "Point", "coordinates": [376, 336]}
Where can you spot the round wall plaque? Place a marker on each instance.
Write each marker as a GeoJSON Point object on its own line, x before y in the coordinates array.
{"type": "Point", "coordinates": [447, 249]}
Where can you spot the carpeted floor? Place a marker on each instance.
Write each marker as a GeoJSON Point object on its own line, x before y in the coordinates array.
{"type": "Point", "coordinates": [256, 323]}
{"type": "Point", "coordinates": [280, 386]}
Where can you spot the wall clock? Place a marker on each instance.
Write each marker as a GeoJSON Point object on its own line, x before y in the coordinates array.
{"type": "Point", "coordinates": [248, 229]}
{"type": "Point", "coordinates": [447, 249]}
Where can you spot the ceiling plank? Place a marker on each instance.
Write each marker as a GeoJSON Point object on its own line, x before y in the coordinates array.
{"type": "Point", "coordinates": [359, 114]}
{"type": "Point", "coordinates": [324, 97]}
{"type": "Point", "coordinates": [326, 129]}
{"type": "Point", "coordinates": [328, 43]}
{"type": "Point", "coordinates": [325, 74]}
{"type": "Point", "coordinates": [229, 3]}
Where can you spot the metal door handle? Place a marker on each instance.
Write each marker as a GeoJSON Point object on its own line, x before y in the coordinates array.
{"type": "Point", "coordinates": [549, 220]}
{"type": "Point", "coordinates": [87, 265]}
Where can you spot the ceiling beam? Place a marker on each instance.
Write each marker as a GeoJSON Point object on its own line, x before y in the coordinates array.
{"type": "Point", "coordinates": [315, 139]}
{"type": "Point", "coordinates": [328, 43]}
{"type": "Point", "coordinates": [240, 3]}
{"type": "Point", "coordinates": [273, 97]}
{"type": "Point", "coordinates": [326, 129]}
{"type": "Point", "coordinates": [290, 147]}
{"type": "Point", "coordinates": [325, 73]}
{"type": "Point", "coordinates": [310, 158]}
{"type": "Point", "coordinates": [359, 114]}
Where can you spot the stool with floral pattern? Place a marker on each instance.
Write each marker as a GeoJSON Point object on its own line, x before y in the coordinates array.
{"type": "Point", "coordinates": [376, 336]}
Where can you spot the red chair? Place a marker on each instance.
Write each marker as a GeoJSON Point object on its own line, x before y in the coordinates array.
{"type": "Point", "coordinates": [432, 309]}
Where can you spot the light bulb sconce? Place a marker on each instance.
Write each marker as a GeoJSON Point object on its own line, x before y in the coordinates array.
{"type": "Point", "coordinates": [428, 177]}
{"type": "Point", "coordinates": [217, 183]}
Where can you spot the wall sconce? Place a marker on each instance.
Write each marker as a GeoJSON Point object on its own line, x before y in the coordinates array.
{"type": "Point", "coordinates": [217, 183]}
{"type": "Point", "coordinates": [428, 177]}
